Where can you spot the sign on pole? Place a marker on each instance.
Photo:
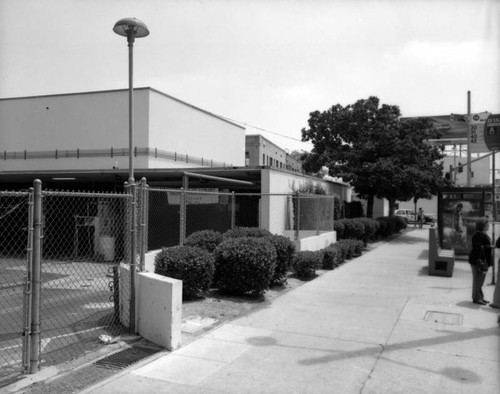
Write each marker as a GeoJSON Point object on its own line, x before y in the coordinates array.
{"type": "Point", "coordinates": [475, 139]}
{"type": "Point", "coordinates": [492, 132]}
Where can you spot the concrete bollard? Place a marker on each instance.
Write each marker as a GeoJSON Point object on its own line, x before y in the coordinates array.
{"type": "Point", "coordinates": [159, 309]}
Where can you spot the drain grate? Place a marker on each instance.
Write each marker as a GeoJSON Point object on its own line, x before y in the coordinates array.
{"type": "Point", "coordinates": [455, 319]}
{"type": "Point", "coordinates": [125, 358]}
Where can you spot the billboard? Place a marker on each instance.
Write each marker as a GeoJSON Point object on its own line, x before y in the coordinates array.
{"type": "Point", "coordinates": [475, 137]}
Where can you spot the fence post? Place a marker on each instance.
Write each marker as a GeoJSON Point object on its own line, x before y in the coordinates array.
{"type": "Point", "coordinates": [143, 223]}
{"type": "Point", "coordinates": [27, 299]}
{"type": "Point", "coordinates": [332, 216]}
{"type": "Point", "coordinates": [297, 230]}
{"type": "Point", "coordinates": [182, 219]}
{"type": "Point", "coordinates": [233, 211]}
{"type": "Point", "coordinates": [35, 277]}
{"type": "Point", "coordinates": [317, 215]}
{"type": "Point", "coordinates": [133, 253]}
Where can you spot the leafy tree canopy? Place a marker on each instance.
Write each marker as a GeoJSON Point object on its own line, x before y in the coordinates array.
{"type": "Point", "coordinates": [367, 145]}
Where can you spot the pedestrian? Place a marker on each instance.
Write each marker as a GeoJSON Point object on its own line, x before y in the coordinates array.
{"type": "Point", "coordinates": [481, 250]}
{"type": "Point", "coordinates": [420, 217]}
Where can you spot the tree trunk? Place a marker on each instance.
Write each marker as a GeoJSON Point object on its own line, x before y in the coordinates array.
{"type": "Point", "coordinates": [392, 206]}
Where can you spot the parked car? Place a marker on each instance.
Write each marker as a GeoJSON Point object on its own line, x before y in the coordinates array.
{"type": "Point", "coordinates": [407, 214]}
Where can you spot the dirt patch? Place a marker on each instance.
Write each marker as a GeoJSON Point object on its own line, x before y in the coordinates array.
{"type": "Point", "coordinates": [223, 308]}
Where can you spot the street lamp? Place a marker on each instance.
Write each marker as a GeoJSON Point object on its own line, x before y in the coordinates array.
{"type": "Point", "coordinates": [131, 28]}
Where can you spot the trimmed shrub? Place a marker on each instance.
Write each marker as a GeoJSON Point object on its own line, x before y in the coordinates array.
{"type": "Point", "coordinates": [239, 232]}
{"type": "Point", "coordinates": [399, 223]}
{"type": "Point", "coordinates": [350, 247]}
{"type": "Point", "coordinates": [383, 223]}
{"type": "Point", "coordinates": [204, 239]}
{"type": "Point", "coordinates": [331, 257]}
{"type": "Point", "coordinates": [388, 226]}
{"type": "Point", "coordinates": [352, 229]}
{"type": "Point", "coordinates": [194, 266]}
{"type": "Point", "coordinates": [339, 227]}
{"type": "Point", "coordinates": [285, 250]}
{"type": "Point", "coordinates": [306, 262]}
{"type": "Point", "coordinates": [244, 264]}
{"type": "Point", "coordinates": [371, 227]}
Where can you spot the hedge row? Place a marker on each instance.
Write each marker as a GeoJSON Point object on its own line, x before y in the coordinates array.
{"type": "Point", "coordinates": [244, 260]}
{"type": "Point", "coordinates": [250, 260]}
{"type": "Point", "coordinates": [367, 229]}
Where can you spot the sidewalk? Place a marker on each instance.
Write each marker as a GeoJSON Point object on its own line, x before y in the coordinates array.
{"type": "Point", "coordinates": [378, 324]}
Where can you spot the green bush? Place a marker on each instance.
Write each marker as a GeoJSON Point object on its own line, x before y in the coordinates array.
{"type": "Point", "coordinates": [371, 227]}
{"type": "Point", "coordinates": [383, 230]}
{"type": "Point", "coordinates": [387, 226]}
{"type": "Point", "coordinates": [331, 257]}
{"type": "Point", "coordinates": [194, 266]}
{"type": "Point", "coordinates": [305, 263]}
{"type": "Point", "coordinates": [352, 229]}
{"type": "Point", "coordinates": [204, 239]}
{"type": "Point", "coordinates": [239, 232]}
{"type": "Point", "coordinates": [350, 248]}
{"type": "Point", "coordinates": [285, 250]}
{"type": "Point", "coordinates": [339, 227]}
{"type": "Point", "coordinates": [399, 222]}
{"type": "Point", "coordinates": [344, 249]}
{"type": "Point", "coordinates": [244, 264]}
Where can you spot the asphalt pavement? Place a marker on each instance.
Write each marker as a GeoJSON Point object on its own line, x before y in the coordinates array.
{"type": "Point", "coordinates": [378, 324]}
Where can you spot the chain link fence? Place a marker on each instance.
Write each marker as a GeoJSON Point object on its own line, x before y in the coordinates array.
{"type": "Point", "coordinates": [175, 214]}
{"type": "Point", "coordinates": [14, 285]}
{"type": "Point", "coordinates": [67, 274]}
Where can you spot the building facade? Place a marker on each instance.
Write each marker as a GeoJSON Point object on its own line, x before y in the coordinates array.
{"type": "Point", "coordinates": [260, 152]}
{"type": "Point", "coordinates": [89, 131]}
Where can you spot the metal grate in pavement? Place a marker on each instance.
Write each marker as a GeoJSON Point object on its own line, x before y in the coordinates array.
{"type": "Point", "coordinates": [98, 371]}
{"type": "Point", "coordinates": [126, 358]}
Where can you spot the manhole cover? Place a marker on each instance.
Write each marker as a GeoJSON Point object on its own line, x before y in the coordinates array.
{"type": "Point", "coordinates": [455, 319]}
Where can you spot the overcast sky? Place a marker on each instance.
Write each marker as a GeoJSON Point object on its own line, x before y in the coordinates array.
{"type": "Point", "coordinates": [264, 63]}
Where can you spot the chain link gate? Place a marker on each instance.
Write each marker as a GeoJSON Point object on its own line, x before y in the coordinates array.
{"type": "Point", "coordinates": [84, 240]}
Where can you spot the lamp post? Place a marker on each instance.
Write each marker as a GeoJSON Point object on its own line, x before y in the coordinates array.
{"type": "Point", "coordinates": [131, 28]}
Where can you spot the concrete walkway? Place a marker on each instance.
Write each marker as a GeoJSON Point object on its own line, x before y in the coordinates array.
{"type": "Point", "coordinates": [378, 324]}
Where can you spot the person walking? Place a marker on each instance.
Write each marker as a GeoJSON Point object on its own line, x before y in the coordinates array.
{"type": "Point", "coordinates": [481, 250]}
{"type": "Point", "coordinates": [420, 217]}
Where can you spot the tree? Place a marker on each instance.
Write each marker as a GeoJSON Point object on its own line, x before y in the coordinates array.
{"type": "Point", "coordinates": [367, 145]}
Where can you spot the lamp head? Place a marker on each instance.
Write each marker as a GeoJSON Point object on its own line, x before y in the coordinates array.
{"type": "Point", "coordinates": [131, 28]}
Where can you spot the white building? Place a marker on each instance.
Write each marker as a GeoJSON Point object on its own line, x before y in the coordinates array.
{"type": "Point", "coordinates": [89, 131]}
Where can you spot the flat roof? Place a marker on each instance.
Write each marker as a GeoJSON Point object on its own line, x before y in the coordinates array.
{"type": "Point", "coordinates": [220, 117]}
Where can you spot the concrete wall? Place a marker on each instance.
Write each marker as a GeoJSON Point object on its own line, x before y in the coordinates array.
{"type": "Point", "coordinates": [308, 240]}
{"type": "Point", "coordinates": [273, 210]}
{"type": "Point", "coordinates": [180, 127]}
{"type": "Point", "coordinates": [158, 312]}
{"type": "Point", "coordinates": [159, 309]}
